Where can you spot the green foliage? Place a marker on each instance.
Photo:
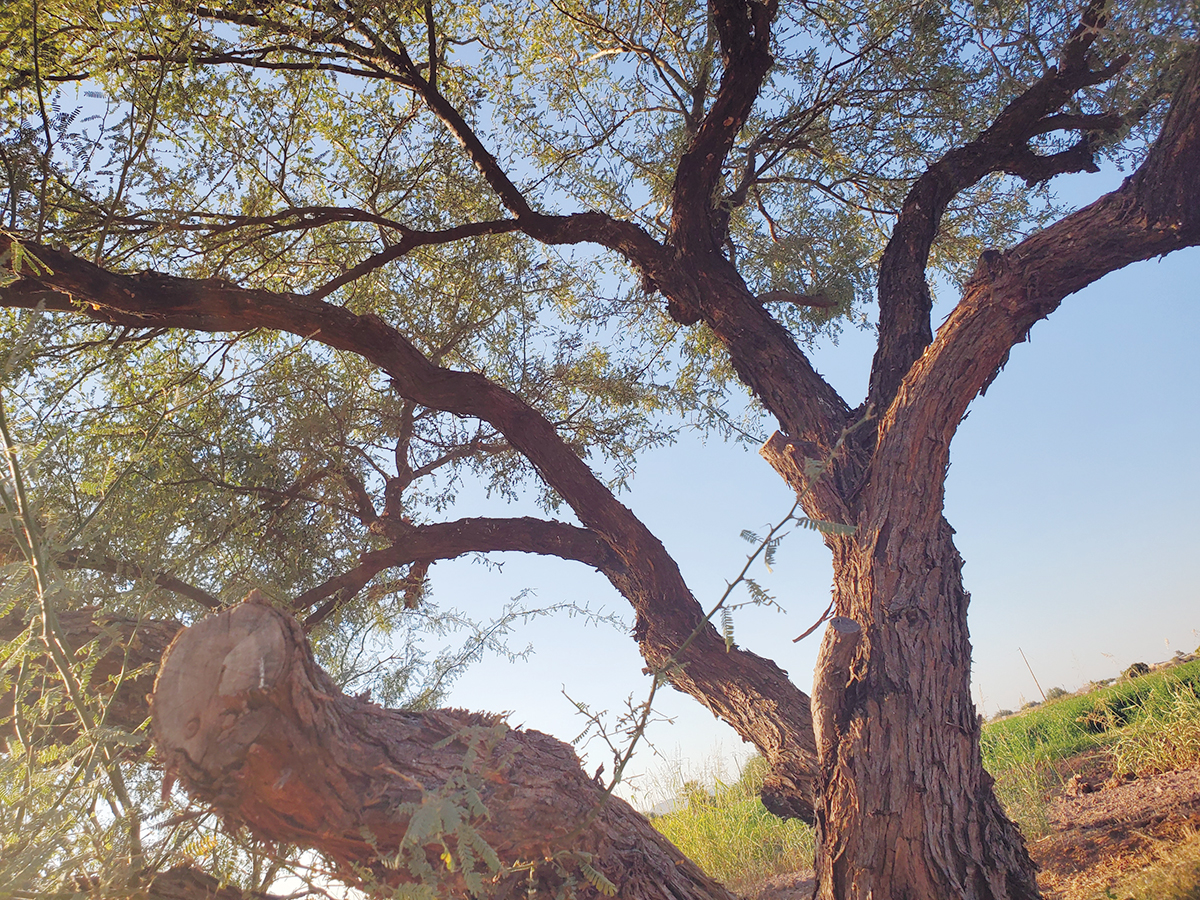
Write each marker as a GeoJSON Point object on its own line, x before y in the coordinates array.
{"type": "Point", "coordinates": [1087, 721]}
{"type": "Point", "coordinates": [446, 819]}
{"type": "Point", "coordinates": [284, 151]}
{"type": "Point", "coordinates": [730, 835]}
{"type": "Point", "coordinates": [1166, 736]}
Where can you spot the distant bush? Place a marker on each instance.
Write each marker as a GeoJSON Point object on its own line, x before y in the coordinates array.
{"type": "Point", "coordinates": [1055, 692]}
{"type": "Point", "coordinates": [1137, 670]}
{"type": "Point", "coordinates": [1031, 704]}
{"type": "Point", "coordinates": [1002, 714]}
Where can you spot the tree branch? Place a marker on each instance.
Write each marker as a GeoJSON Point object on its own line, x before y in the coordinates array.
{"type": "Point", "coordinates": [248, 723]}
{"type": "Point", "coordinates": [1154, 212]}
{"type": "Point", "coordinates": [81, 559]}
{"type": "Point", "coordinates": [448, 540]}
{"type": "Point", "coordinates": [751, 693]}
{"type": "Point", "coordinates": [904, 298]}
{"type": "Point", "coordinates": [744, 27]}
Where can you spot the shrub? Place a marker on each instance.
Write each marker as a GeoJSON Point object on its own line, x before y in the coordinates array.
{"type": "Point", "coordinates": [1002, 714]}
{"type": "Point", "coordinates": [1056, 692]}
{"type": "Point", "coordinates": [1137, 670]}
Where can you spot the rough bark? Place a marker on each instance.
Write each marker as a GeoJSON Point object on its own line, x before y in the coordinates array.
{"type": "Point", "coordinates": [129, 653]}
{"type": "Point", "coordinates": [904, 298]}
{"type": "Point", "coordinates": [907, 810]}
{"type": "Point", "coordinates": [248, 723]}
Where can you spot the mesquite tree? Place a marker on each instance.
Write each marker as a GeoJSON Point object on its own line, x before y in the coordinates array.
{"type": "Point", "coordinates": [297, 268]}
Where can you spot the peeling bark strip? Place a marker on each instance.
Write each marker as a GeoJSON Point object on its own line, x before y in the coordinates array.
{"type": "Point", "coordinates": [247, 722]}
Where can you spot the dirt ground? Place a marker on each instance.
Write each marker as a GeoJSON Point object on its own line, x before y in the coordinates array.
{"type": "Point", "coordinates": [1104, 826]}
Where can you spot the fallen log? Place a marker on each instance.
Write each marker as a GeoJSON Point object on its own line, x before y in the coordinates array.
{"type": "Point", "coordinates": [247, 722]}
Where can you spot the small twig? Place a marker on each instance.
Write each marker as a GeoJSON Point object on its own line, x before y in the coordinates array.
{"type": "Point", "coordinates": [817, 624]}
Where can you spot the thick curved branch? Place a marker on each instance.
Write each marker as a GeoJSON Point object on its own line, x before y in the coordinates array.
{"type": "Point", "coordinates": [448, 540]}
{"type": "Point", "coordinates": [691, 272]}
{"type": "Point", "coordinates": [904, 298]}
{"type": "Point", "coordinates": [247, 722]}
{"type": "Point", "coordinates": [751, 693]}
{"type": "Point", "coordinates": [1154, 212]}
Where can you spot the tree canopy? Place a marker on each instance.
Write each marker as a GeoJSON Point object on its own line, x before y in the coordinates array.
{"type": "Point", "coordinates": [281, 277]}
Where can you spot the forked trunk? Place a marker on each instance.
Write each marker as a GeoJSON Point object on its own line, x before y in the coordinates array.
{"type": "Point", "coordinates": [907, 811]}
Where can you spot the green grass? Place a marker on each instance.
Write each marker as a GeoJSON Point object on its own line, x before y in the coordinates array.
{"type": "Point", "coordinates": [1150, 723]}
{"type": "Point", "coordinates": [730, 834]}
{"type": "Point", "coordinates": [1069, 725]}
{"type": "Point", "coordinates": [1165, 738]}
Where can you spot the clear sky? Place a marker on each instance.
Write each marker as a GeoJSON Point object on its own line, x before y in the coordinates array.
{"type": "Point", "coordinates": [1073, 489]}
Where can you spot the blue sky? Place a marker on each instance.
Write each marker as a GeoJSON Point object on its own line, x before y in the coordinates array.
{"type": "Point", "coordinates": [1073, 488]}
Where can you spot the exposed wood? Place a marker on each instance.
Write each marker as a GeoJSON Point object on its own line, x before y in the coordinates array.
{"type": "Point", "coordinates": [247, 722]}
{"type": "Point", "coordinates": [752, 694]}
{"type": "Point", "coordinates": [833, 662]}
{"type": "Point", "coordinates": [906, 809]}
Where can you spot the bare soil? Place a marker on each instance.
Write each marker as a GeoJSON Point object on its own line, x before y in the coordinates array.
{"type": "Point", "coordinates": [1105, 825]}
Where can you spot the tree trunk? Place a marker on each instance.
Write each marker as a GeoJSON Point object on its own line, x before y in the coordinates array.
{"type": "Point", "coordinates": [248, 723]}
{"type": "Point", "coordinates": [908, 811]}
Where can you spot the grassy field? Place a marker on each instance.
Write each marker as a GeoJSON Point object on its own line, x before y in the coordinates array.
{"type": "Point", "coordinates": [1150, 723]}
{"type": "Point", "coordinates": [731, 836]}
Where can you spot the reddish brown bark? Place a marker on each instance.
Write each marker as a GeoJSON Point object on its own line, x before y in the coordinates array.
{"type": "Point", "coordinates": [907, 810]}
{"type": "Point", "coordinates": [904, 298]}
{"type": "Point", "coordinates": [129, 652]}
{"type": "Point", "coordinates": [247, 722]}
